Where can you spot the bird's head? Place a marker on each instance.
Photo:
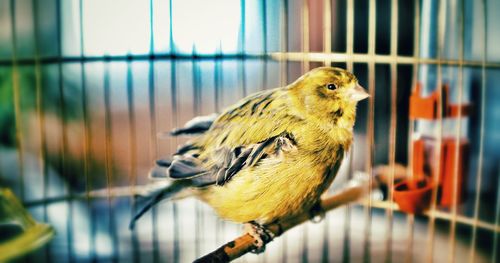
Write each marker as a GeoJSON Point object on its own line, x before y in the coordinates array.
{"type": "Point", "coordinates": [328, 94]}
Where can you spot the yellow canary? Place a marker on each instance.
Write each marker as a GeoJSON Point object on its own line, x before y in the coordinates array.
{"type": "Point", "coordinates": [269, 156]}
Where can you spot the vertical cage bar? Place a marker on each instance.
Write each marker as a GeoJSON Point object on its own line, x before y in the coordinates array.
{"type": "Point", "coordinates": [40, 111]}
{"type": "Point", "coordinates": [16, 99]}
{"type": "Point", "coordinates": [305, 35]}
{"type": "Point", "coordinates": [327, 29]}
{"type": "Point", "coordinates": [173, 86]}
{"type": "Point", "coordinates": [350, 34]}
{"type": "Point", "coordinates": [415, 80]}
{"type": "Point", "coordinates": [346, 252]}
{"type": "Point", "coordinates": [153, 144]}
{"type": "Point", "coordinates": [133, 154]}
{"type": "Point", "coordinates": [64, 145]}
{"type": "Point", "coordinates": [109, 160]}
{"type": "Point", "coordinates": [87, 137]}
{"type": "Point", "coordinates": [370, 127]}
{"type": "Point", "coordinates": [439, 135]}
{"type": "Point", "coordinates": [243, 48]}
{"type": "Point", "coordinates": [454, 206]}
{"type": "Point", "coordinates": [284, 79]}
{"type": "Point", "coordinates": [284, 42]}
{"type": "Point", "coordinates": [174, 120]}
{"type": "Point", "coordinates": [197, 111]}
{"type": "Point", "coordinates": [305, 67]}
{"type": "Point", "coordinates": [264, 39]}
{"type": "Point", "coordinates": [393, 125]}
{"type": "Point", "coordinates": [479, 171]}
{"type": "Point", "coordinates": [217, 87]}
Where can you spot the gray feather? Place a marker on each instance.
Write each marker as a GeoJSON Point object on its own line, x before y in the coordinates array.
{"type": "Point", "coordinates": [185, 167]}
{"type": "Point", "coordinates": [155, 197]}
{"type": "Point", "coordinates": [197, 125]}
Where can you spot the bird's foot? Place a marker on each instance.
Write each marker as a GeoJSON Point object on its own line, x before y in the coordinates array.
{"type": "Point", "coordinates": [260, 234]}
{"type": "Point", "coordinates": [317, 213]}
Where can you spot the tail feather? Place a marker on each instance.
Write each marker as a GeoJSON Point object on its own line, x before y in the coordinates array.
{"type": "Point", "coordinates": [154, 198]}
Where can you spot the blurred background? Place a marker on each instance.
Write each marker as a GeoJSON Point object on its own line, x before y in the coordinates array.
{"type": "Point", "coordinates": [86, 86]}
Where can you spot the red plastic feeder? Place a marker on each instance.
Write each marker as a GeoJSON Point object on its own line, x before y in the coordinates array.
{"type": "Point", "coordinates": [414, 196]}
{"type": "Point", "coordinates": [427, 107]}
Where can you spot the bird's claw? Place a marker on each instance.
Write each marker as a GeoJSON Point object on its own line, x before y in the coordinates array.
{"type": "Point", "coordinates": [317, 213]}
{"type": "Point", "coordinates": [260, 234]}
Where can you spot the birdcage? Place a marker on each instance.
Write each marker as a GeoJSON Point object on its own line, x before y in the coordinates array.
{"type": "Point", "coordinates": [88, 87]}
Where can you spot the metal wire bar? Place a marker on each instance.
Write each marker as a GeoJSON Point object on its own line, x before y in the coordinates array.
{"type": "Point", "coordinates": [173, 86]}
{"type": "Point", "coordinates": [284, 42]}
{"type": "Point", "coordinates": [305, 34]}
{"type": "Point", "coordinates": [350, 35]}
{"type": "Point", "coordinates": [416, 53]}
{"type": "Point", "coordinates": [153, 144]}
{"type": "Point", "coordinates": [284, 79]}
{"type": "Point", "coordinates": [16, 98]}
{"type": "Point", "coordinates": [460, 86]}
{"type": "Point", "coordinates": [327, 29]}
{"type": "Point", "coordinates": [264, 39]}
{"type": "Point", "coordinates": [172, 55]}
{"type": "Point", "coordinates": [197, 111]}
{"type": "Point", "coordinates": [243, 48]}
{"type": "Point", "coordinates": [218, 80]}
{"type": "Point", "coordinates": [40, 112]}
{"type": "Point", "coordinates": [393, 125]}
{"type": "Point", "coordinates": [346, 251]}
{"type": "Point", "coordinates": [133, 154]}
{"type": "Point", "coordinates": [280, 56]}
{"type": "Point", "coordinates": [87, 137]}
{"type": "Point", "coordinates": [64, 133]}
{"type": "Point", "coordinates": [109, 160]}
{"type": "Point", "coordinates": [439, 133]}
{"type": "Point", "coordinates": [376, 58]}
{"type": "Point", "coordinates": [305, 68]}
{"type": "Point", "coordinates": [479, 171]}
{"type": "Point", "coordinates": [174, 99]}
{"type": "Point", "coordinates": [370, 129]}
{"type": "Point", "coordinates": [174, 121]}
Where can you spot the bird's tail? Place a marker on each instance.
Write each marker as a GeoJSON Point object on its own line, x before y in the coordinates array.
{"type": "Point", "coordinates": [146, 202]}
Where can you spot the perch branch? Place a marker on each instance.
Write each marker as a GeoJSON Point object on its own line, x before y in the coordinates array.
{"type": "Point", "coordinates": [245, 243]}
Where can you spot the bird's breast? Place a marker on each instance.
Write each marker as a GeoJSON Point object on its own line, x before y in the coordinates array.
{"type": "Point", "coordinates": [273, 190]}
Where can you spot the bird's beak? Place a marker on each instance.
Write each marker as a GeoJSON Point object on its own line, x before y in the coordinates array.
{"type": "Point", "coordinates": [358, 93]}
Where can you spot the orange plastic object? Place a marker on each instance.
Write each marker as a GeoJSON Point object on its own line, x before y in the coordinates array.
{"type": "Point", "coordinates": [423, 108]}
{"type": "Point", "coordinates": [448, 165]}
{"type": "Point", "coordinates": [413, 196]}
{"type": "Point", "coordinates": [418, 159]}
{"type": "Point", "coordinates": [426, 108]}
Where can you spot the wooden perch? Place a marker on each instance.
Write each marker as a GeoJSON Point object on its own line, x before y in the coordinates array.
{"type": "Point", "coordinates": [245, 243]}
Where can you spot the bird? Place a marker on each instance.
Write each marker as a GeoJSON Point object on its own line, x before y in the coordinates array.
{"type": "Point", "coordinates": [266, 158]}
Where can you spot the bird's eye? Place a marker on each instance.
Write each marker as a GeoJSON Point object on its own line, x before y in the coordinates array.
{"type": "Point", "coordinates": [331, 86]}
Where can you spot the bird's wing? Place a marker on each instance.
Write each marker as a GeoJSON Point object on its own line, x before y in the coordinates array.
{"type": "Point", "coordinates": [242, 131]}
{"type": "Point", "coordinates": [225, 163]}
